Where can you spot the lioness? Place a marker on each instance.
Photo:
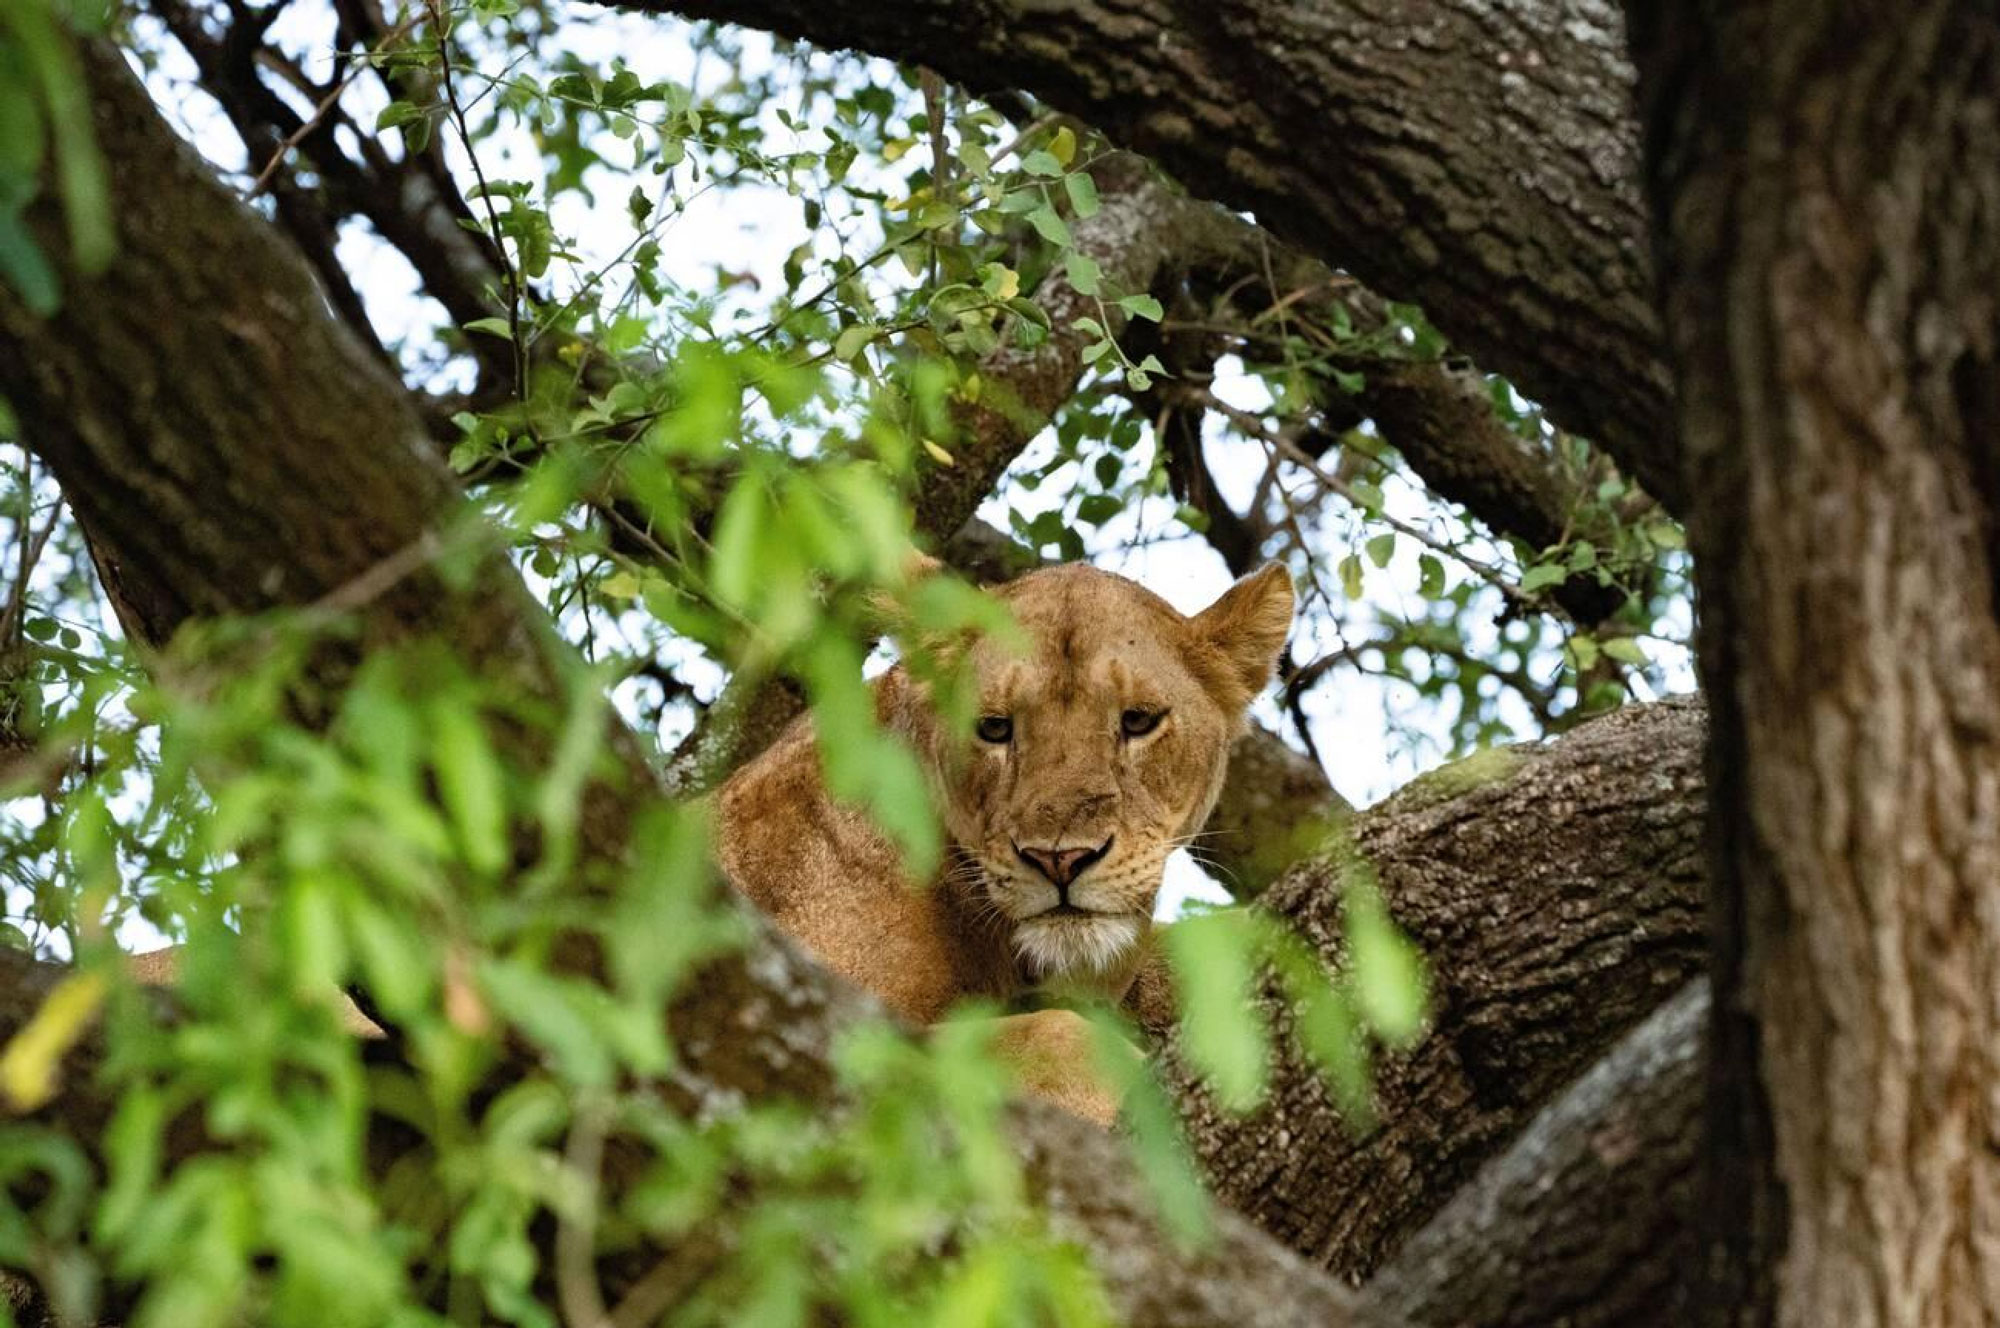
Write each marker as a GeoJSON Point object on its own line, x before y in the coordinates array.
{"type": "Point", "coordinates": [1095, 754]}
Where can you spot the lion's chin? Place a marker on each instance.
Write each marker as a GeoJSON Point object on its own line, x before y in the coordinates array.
{"type": "Point", "coordinates": [1056, 945]}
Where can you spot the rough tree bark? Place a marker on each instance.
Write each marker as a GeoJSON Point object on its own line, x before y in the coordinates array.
{"type": "Point", "coordinates": [1829, 205]}
{"type": "Point", "coordinates": [1479, 159]}
{"type": "Point", "coordinates": [1544, 947]}
{"type": "Point", "coordinates": [1622, 1145]}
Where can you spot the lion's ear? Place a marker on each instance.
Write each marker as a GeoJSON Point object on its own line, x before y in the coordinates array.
{"type": "Point", "coordinates": [885, 611]}
{"type": "Point", "coordinates": [1248, 625]}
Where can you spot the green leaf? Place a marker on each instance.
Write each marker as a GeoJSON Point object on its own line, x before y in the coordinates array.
{"type": "Point", "coordinates": [853, 340]}
{"type": "Point", "coordinates": [556, 1013]}
{"type": "Point", "coordinates": [1388, 973]}
{"type": "Point", "coordinates": [1381, 549]}
{"type": "Point", "coordinates": [1350, 576]}
{"type": "Point", "coordinates": [1098, 508]}
{"type": "Point", "coordinates": [1083, 273]}
{"type": "Point", "coordinates": [1665, 535]}
{"type": "Point", "coordinates": [1082, 192]}
{"type": "Point", "coordinates": [1222, 1032]}
{"type": "Point", "coordinates": [82, 179]}
{"type": "Point", "coordinates": [396, 113]}
{"type": "Point", "coordinates": [1048, 225]}
{"type": "Point", "coordinates": [469, 784]}
{"type": "Point", "coordinates": [1543, 575]}
{"type": "Point", "coordinates": [1626, 651]}
{"type": "Point", "coordinates": [1430, 574]}
{"type": "Point", "coordinates": [1041, 162]}
{"type": "Point", "coordinates": [1030, 312]}
{"type": "Point", "coordinates": [1327, 1028]}
{"type": "Point", "coordinates": [1142, 306]}
{"type": "Point", "coordinates": [315, 943]}
{"type": "Point", "coordinates": [1063, 146]}
{"type": "Point", "coordinates": [26, 268]}
{"type": "Point", "coordinates": [492, 327]}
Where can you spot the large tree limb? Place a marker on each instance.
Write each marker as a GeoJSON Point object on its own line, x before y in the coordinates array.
{"type": "Point", "coordinates": [1557, 892]}
{"type": "Point", "coordinates": [232, 450]}
{"type": "Point", "coordinates": [1478, 159]}
{"type": "Point", "coordinates": [1588, 1220]}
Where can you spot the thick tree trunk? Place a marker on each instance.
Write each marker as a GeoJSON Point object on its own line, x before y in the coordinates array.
{"type": "Point", "coordinates": [1477, 158]}
{"type": "Point", "coordinates": [1557, 893]}
{"type": "Point", "coordinates": [1829, 200]}
{"type": "Point", "coordinates": [231, 451]}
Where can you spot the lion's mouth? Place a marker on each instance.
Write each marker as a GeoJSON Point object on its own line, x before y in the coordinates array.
{"type": "Point", "coordinates": [1064, 910]}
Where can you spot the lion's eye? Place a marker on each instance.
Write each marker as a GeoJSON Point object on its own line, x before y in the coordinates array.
{"type": "Point", "coordinates": [996, 728]}
{"type": "Point", "coordinates": [1138, 723]}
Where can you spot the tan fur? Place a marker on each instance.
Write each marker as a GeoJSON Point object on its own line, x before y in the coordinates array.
{"type": "Point", "coordinates": [1100, 644]}
{"type": "Point", "coordinates": [161, 968]}
{"type": "Point", "coordinates": [1069, 778]}
{"type": "Point", "coordinates": [1053, 1055]}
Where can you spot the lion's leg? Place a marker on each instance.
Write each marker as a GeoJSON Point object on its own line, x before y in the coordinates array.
{"type": "Point", "coordinates": [1054, 1056]}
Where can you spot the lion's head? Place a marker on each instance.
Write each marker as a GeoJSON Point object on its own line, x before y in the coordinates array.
{"type": "Point", "coordinates": [1097, 752]}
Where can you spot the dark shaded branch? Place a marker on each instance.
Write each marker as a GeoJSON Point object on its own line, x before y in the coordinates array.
{"type": "Point", "coordinates": [1588, 1219]}
{"type": "Point", "coordinates": [1478, 160]}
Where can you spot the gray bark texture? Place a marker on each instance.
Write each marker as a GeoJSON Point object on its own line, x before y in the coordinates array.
{"type": "Point", "coordinates": [1557, 892]}
{"type": "Point", "coordinates": [1829, 208]}
{"type": "Point", "coordinates": [1622, 1145]}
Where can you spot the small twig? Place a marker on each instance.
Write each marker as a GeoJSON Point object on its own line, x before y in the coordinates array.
{"type": "Point", "coordinates": [508, 274]}
{"type": "Point", "coordinates": [1036, 126]}
{"type": "Point", "coordinates": [934, 108]}
{"type": "Point", "coordinates": [318, 116]}
{"type": "Point", "coordinates": [376, 580]}
{"type": "Point", "coordinates": [576, 1231]}
{"type": "Point", "coordinates": [15, 618]}
{"type": "Point", "coordinates": [667, 1283]}
{"type": "Point", "coordinates": [1292, 452]}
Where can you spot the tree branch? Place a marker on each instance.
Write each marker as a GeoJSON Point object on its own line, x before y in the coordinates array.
{"type": "Point", "coordinates": [1588, 1219]}
{"type": "Point", "coordinates": [1556, 890]}
{"type": "Point", "coordinates": [1348, 129]}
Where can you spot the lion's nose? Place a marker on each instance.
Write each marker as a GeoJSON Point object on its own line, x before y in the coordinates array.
{"type": "Point", "coordinates": [1062, 865]}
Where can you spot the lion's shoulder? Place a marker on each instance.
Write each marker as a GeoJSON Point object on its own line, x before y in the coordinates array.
{"type": "Point", "coordinates": [827, 876]}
